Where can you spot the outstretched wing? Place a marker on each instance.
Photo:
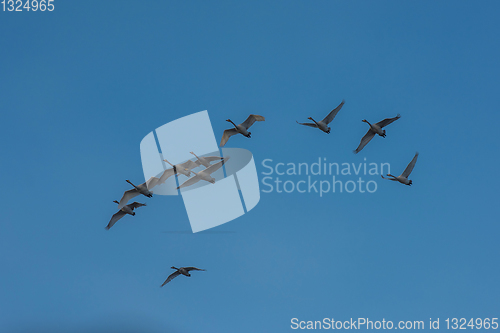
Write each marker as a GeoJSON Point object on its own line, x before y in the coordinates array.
{"type": "Point", "coordinates": [209, 170]}
{"type": "Point", "coordinates": [115, 218]}
{"type": "Point", "coordinates": [252, 119]}
{"type": "Point", "coordinates": [214, 167]}
{"type": "Point", "coordinates": [167, 173]}
{"type": "Point", "coordinates": [127, 196]}
{"type": "Point", "coordinates": [409, 167]}
{"type": "Point", "coordinates": [193, 269]}
{"type": "Point", "coordinates": [388, 178]}
{"type": "Point", "coordinates": [190, 164]}
{"type": "Point", "coordinates": [144, 186]}
{"type": "Point", "coordinates": [227, 134]}
{"type": "Point", "coordinates": [190, 181]}
{"type": "Point", "coordinates": [212, 158]}
{"type": "Point", "coordinates": [151, 182]}
{"type": "Point", "coordinates": [171, 277]}
{"type": "Point", "coordinates": [388, 121]}
{"type": "Point", "coordinates": [307, 124]}
{"type": "Point", "coordinates": [136, 204]}
{"type": "Point", "coordinates": [364, 141]}
{"type": "Point", "coordinates": [333, 113]}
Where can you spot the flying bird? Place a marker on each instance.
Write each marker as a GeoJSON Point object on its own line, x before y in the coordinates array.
{"type": "Point", "coordinates": [241, 128]}
{"type": "Point", "coordinates": [181, 168]}
{"type": "Point", "coordinates": [204, 174]}
{"type": "Point", "coordinates": [403, 178]}
{"type": "Point", "coordinates": [183, 270]}
{"type": "Point", "coordinates": [127, 209]}
{"type": "Point", "coordinates": [205, 160]}
{"type": "Point", "coordinates": [140, 189]}
{"type": "Point", "coordinates": [323, 124]}
{"type": "Point", "coordinates": [375, 129]}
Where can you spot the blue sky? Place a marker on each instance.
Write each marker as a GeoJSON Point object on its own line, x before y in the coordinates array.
{"type": "Point", "coordinates": [81, 86]}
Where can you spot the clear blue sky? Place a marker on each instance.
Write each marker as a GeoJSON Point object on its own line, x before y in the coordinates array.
{"type": "Point", "coordinates": [81, 86]}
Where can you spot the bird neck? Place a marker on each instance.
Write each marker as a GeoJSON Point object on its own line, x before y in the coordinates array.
{"type": "Point", "coordinates": [128, 181]}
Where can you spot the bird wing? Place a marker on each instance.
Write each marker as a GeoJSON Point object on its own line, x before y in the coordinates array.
{"type": "Point", "coordinates": [164, 176]}
{"type": "Point", "coordinates": [115, 218]}
{"type": "Point", "coordinates": [252, 119]}
{"type": "Point", "coordinates": [151, 182]}
{"type": "Point", "coordinates": [388, 121]}
{"type": "Point", "coordinates": [193, 269]}
{"type": "Point", "coordinates": [333, 113]}
{"type": "Point", "coordinates": [388, 178]}
{"type": "Point", "coordinates": [144, 186]}
{"type": "Point", "coordinates": [307, 124]}
{"type": "Point", "coordinates": [214, 167]}
{"type": "Point", "coordinates": [171, 277]}
{"type": "Point", "coordinates": [364, 141]}
{"type": "Point", "coordinates": [190, 181]}
{"type": "Point", "coordinates": [409, 167]}
{"type": "Point", "coordinates": [127, 196]}
{"type": "Point", "coordinates": [190, 164]}
{"type": "Point", "coordinates": [135, 205]}
{"type": "Point", "coordinates": [227, 134]}
{"type": "Point", "coordinates": [212, 158]}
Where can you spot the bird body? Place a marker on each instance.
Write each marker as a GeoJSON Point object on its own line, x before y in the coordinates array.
{"type": "Point", "coordinates": [182, 270]}
{"type": "Point", "coordinates": [241, 128]}
{"type": "Point", "coordinates": [403, 178]}
{"type": "Point", "coordinates": [323, 124]}
{"type": "Point", "coordinates": [376, 128]}
{"type": "Point", "coordinates": [127, 209]}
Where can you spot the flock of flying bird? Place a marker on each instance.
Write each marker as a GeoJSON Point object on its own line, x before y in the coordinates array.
{"type": "Point", "coordinates": [205, 174]}
{"type": "Point", "coordinates": [372, 131]}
